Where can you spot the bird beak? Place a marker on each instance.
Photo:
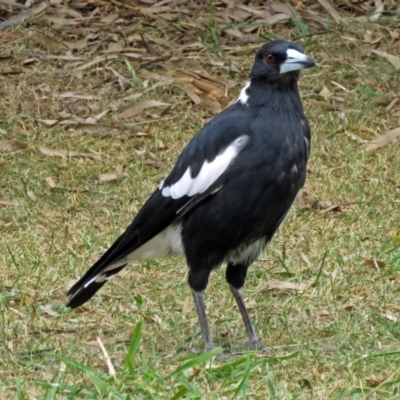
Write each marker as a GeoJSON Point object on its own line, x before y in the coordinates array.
{"type": "Point", "coordinates": [296, 61]}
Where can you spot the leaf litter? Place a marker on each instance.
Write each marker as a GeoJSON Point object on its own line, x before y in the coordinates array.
{"type": "Point", "coordinates": [66, 153]}
{"type": "Point", "coordinates": [12, 145]}
{"type": "Point", "coordinates": [77, 70]}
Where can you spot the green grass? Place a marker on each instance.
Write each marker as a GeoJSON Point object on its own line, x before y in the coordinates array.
{"type": "Point", "coordinates": [336, 340]}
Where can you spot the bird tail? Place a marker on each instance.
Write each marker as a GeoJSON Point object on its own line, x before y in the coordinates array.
{"type": "Point", "coordinates": [87, 287]}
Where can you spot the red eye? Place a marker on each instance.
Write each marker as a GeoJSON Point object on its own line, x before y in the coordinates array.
{"type": "Point", "coordinates": [269, 58]}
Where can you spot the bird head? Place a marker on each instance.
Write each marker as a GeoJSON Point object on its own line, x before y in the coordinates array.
{"type": "Point", "coordinates": [280, 60]}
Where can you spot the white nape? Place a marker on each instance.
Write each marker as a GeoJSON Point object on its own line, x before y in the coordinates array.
{"type": "Point", "coordinates": [243, 96]}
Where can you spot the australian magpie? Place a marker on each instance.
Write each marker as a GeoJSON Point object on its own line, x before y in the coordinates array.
{"type": "Point", "coordinates": [229, 191]}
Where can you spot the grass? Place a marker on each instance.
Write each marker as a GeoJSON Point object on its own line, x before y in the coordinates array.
{"type": "Point", "coordinates": [336, 340]}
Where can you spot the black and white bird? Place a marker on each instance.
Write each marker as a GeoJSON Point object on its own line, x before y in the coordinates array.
{"type": "Point", "coordinates": [229, 191]}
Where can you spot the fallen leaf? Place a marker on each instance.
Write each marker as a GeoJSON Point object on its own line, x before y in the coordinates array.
{"type": "Point", "coordinates": [351, 306]}
{"type": "Point", "coordinates": [395, 60]}
{"type": "Point", "coordinates": [12, 145]}
{"type": "Point", "coordinates": [24, 15]}
{"type": "Point", "coordinates": [330, 8]}
{"type": "Point", "coordinates": [383, 140]}
{"type": "Point", "coordinates": [50, 182]}
{"type": "Point", "coordinates": [68, 284]}
{"type": "Point", "coordinates": [110, 18]}
{"type": "Point", "coordinates": [390, 316]}
{"type": "Point", "coordinates": [139, 107]}
{"type": "Point", "coordinates": [379, 8]}
{"type": "Point", "coordinates": [373, 380]}
{"type": "Point", "coordinates": [323, 105]}
{"type": "Point", "coordinates": [325, 93]}
{"type": "Point", "coordinates": [376, 264]}
{"type": "Point", "coordinates": [31, 195]}
{"type": "Point", "coordinates": [113, 176]}
{"type": "Point", "coordinates": [49, 310]}
{"type": "Point", "coordinates": [192, 95]}
{"type": "Point", "coordinates": [73, 95]}
{"type": "Point", "coordinates": [65, 153]}
{"type": "Point", "coordinates": [43, 40]}
{"type": "Point", "coordinates": [306, 200]}
{"type": "Point", "coordinates": [6, 202]}
{"type": "Point", "coordinates": [392, 104]}
{"type": "Point", "coordinates": [286, 285]}
{"type": "Point", "coordinates": [383, 100]}
{"type": "Point", "coordinates": [81, 310]}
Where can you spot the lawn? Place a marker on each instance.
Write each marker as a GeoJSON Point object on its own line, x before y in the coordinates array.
{"type": "Point", "coordinates": [98, 98]}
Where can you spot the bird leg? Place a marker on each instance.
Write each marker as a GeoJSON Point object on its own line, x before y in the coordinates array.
{"type": "Point", "coordinates": [254, 342]}
{"type": "Point", "coordinates": [201, 312]}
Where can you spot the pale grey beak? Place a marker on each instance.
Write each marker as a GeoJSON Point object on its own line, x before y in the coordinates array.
{"type": "Point", "coordinates": [296, 61]}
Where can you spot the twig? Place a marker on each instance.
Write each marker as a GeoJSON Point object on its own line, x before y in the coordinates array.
{"type": "Point", "coordinates": [23, 16]}
{"type": "Point", "coordinates": [321, 32]}
{"type": "Point", "coordinates": [111, 369]}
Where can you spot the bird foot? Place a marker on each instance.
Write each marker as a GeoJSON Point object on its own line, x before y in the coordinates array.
{"type": "Point", "coordinates": [257, 345]}
{"type": "Point", "coordinates": [209, 346]}
{"type": "Point", "coordinates": [252, 345]}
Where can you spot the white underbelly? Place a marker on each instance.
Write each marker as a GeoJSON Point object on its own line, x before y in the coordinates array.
{"type": "Point", "coordinates": [166, 243]}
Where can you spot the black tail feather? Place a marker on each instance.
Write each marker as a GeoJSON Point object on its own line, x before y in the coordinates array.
{"type": "Point", "coordinates": [79, 294]}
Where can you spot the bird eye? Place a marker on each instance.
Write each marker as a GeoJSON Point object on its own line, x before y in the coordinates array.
{"type": "Point", "coordinates": [269, 58]}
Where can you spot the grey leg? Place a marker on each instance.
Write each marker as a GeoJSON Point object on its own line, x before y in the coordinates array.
{"type": "Point", "coordinates": [254, 342]}
{"type": "Point", "coordinates": [201, 312]}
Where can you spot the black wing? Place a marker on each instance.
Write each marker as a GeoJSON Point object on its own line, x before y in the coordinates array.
{"type": "Point", "coordinates": [161, 210]}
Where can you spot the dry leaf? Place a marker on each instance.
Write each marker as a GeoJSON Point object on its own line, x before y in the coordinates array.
{"type": "Point", "coordinates": [68, 284]}
{"type": "Point", "coordinates": [6, 202]}
{"type": "Point", "coordinates": [73, 95]}
{"type": "Point", "coordinates": [322, 104]}
{"type": "Point", "coordinates": [374, 381]}
{"type": "Point", "coordinates": [192, 95]}
{"type": "Point", "coordinates": [377, 264]}
{"type": "Point", "coordinates": [325, 93]}
{"type": "Point", "coordinates": [395, 60]}
{"type": "Point", "coordinates": [50, 182]}
{"type": "Point", "coordinates": [390, 316]}
{"type": "Point", "coordinates": [48, 310]}
{"type": "Point", "coordinates": [113, 176]}
{"type": "Point", "coordinates": [306, 200]}
{"type": "Point", "coordinates": [330, 8]}
{"type": "Point", "coordinates": [24, 15]}
{"type": "Point", "coordinates": [52, 45]}
{"type": "Point", "coordinates": [383, 140]}
{"type": "Point", "coordinates": [276, 18]}
{"type": "Point", "coordinates": [31, 195]}
{"type": "Point", "coordinates": [286, 285]}
{"type": "Point", "coordinates": [351, 306]}
{"type": "Point", "coordinates": [139, 107]}
{"type": "Point", "coordinates": [65, 153]}
{"type": "Point", "coordinates": [110, 18]}
{"type": "Point", "coordinates": [12, 145]}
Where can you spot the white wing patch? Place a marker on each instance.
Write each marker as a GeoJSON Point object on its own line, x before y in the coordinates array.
{"type": "Point", "coordinates": [243, 96]}
{"type": "Point", "coordinates": [209, 172]}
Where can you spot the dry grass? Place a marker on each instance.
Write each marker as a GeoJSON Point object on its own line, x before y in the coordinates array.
{"type": "Point", "coordinates": [337, 339]}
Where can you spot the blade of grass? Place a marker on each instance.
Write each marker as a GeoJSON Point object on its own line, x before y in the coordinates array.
{"type": "Point", "coordinates": [196, 360]}
{"type": "Point", "coordinates": [133, 347]}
